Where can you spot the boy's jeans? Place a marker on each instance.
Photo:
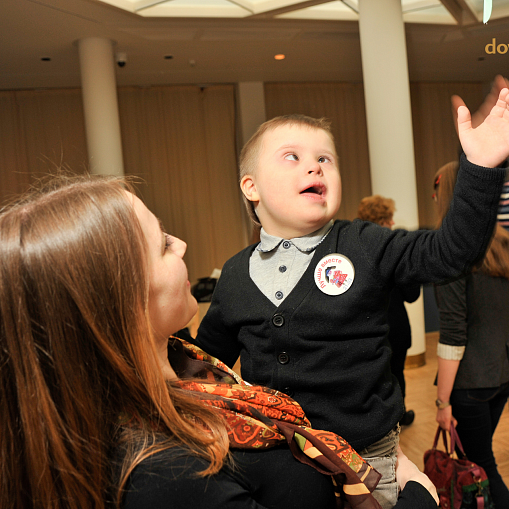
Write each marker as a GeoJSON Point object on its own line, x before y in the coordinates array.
{"type": "Point", "coordinates": [382, 457]}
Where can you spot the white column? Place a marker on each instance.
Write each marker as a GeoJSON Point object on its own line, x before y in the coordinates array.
{"type": "Point", "coordinates": [251, 114]}
{"type": "Point", "coordinates": [389, 120]}
{"type": "Point", "coordinates": [100, 106]}
{"type": "Point", "coordinates": [250, 107]}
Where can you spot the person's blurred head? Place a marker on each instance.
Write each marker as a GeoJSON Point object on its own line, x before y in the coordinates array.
{"type": "Point", "coordinates": [377, 209]}
{"type": "Point", "coordinates": [496, 261]}
{"type": "Point", "coordinates": [443, 185]}
{"type": "Point", "coordinates": [80, 308]}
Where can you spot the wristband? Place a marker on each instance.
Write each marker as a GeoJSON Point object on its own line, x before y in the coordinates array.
{"type": "Point", "coordinates": [442, 404]}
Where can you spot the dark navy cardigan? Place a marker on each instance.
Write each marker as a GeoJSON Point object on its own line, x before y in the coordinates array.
{"type": "Point", "coordinates": [331, 352]}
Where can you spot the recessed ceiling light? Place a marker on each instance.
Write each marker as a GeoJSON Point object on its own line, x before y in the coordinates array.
{"type": "Point", "coordinates": [45, 59]}
{"type": "Point", "coordinates": [279, 56]}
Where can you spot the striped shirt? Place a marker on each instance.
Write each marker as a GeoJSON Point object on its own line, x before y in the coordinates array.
{"type": "Point", "coordinates": [503, 207]}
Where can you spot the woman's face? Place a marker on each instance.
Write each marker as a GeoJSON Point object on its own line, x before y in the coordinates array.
{"type": "Point", "coordinates": [171, 305]}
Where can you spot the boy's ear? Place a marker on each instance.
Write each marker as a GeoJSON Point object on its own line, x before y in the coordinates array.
{"type": "Point", "coordinates": [248, 187]}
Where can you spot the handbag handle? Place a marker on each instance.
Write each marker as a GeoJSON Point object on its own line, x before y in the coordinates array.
{"type": "Point", "coordinates": [444, 438]}
{"type": "Point", "coordinates": [455, 440]}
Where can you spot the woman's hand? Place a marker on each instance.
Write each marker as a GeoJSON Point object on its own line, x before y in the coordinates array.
{"type": "Point", "coordinates": [487, 144]}
{"type": "Point", "coordinates": [445, 417]}
{"type": "Point", "coordinates": [408, 471]}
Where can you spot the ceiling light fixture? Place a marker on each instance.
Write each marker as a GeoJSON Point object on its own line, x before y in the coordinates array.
{"type": "Point", "coordinates": [279, 56]}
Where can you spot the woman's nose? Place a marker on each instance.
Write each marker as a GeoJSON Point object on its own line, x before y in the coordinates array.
{"type": "Point", "coordinates": [180, 247]}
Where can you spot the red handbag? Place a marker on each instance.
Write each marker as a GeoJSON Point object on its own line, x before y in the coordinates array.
{"type": "Point", "coordinates": [460, 483]}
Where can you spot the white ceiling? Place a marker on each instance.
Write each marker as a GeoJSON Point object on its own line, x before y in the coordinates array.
{"type": "Point", "coordinates": [445, 40]}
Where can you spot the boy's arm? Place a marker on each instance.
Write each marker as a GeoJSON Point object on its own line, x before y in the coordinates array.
{"type": "Point", "coordinates": [214, 335]}
{"type": "Point", "coordinates": [434, 256]}
{"type": "Point", "coordinates": [426, 256]}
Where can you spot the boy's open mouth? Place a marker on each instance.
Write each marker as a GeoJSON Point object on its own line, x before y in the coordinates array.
{"type": "Point", "coordinates": [314, 189]}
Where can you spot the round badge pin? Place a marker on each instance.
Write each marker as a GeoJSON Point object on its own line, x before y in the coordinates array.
{"type": "Point", "coordinates": [334, 274]}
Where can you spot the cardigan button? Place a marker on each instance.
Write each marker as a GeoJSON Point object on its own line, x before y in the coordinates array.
{"type": "Point", "coordinates": [283, 358]}
{"type": "Point", "coordinates": [278, 320]}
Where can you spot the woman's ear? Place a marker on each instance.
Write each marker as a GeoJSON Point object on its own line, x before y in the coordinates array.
{"type": "Point", "coordinates": [248, 187]}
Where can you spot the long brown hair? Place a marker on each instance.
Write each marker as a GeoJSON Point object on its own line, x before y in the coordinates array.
{"type": "Point", "coordinates": [76, 351]}
{"type": "Point", "coordinates": [496, 260]}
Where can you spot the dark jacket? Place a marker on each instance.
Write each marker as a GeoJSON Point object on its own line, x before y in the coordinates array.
{"type": "Point", "coordinates": [473, 313]}
{"type": "Point", "coordinates": [331, 353]}
{"type": "Point", "coordinates": [267, 479]}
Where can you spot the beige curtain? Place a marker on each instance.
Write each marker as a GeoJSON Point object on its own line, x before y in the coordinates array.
{"type": "Point", "coordinates": [343, 104]}
{"type": "Point", "coordinates": [181, 141]}
{"type": "Point", "coordinates": [435, 139]}
{"type": "Point", "coordinates": [39, 132]}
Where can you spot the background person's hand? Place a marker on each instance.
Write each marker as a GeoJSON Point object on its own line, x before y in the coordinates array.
{"type": "Point", "coordinates": [445, 417]}
{"type": "Point", "coordinates": [484, 110]}
{"type": "Point", "coordinates": [488, 144]}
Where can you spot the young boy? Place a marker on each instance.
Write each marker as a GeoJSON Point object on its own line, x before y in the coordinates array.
{"type": "Point", "coordinates": [306, 308]}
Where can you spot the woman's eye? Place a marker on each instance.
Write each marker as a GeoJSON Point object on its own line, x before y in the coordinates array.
{"type": "Point", "coordinates": [169, 241]}
{"type": "Point", "coordinates": [292, 157]}
{"type": "Point", "coordinates": [323, 159]}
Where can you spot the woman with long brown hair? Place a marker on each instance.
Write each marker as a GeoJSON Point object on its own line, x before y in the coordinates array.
{"type": "Point", "coordinates": [473, 357]}
{"type": "Point", "coordinates": [92, 412]}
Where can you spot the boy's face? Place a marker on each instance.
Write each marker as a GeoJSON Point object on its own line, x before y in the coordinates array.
{"type": "Point", "coordinates": [296, 187]}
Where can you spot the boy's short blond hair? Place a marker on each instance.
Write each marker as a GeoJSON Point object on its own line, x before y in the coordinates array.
{"type": "Point", "coordinates": [249, 155]}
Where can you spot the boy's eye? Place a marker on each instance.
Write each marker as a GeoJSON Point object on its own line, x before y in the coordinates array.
{"type": "Point", "coordinates": [292, 157]}
{"type": "Point", "coordinates": [323, 159]}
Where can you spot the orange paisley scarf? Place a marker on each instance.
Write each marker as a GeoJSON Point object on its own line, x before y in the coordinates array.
{"type": "Point", "coordinates": [259, 417]}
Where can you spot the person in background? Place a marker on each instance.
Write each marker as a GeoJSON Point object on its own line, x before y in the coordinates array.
{"type": "Point", "coordinates": [503, 207]}
{"type": "Point", "coordinates": [380, 210]}
{"type": "Point", "coordinates": [473, 358]}
{"type": "Point", "coordinates": [99, 409]}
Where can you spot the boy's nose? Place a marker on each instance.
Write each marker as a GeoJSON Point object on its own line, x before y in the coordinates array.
{"type": "Point", "coordinates": [315, 167]}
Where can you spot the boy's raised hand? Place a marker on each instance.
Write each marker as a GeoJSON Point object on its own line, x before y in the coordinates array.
{"type": "Point", "coordinates": [490, 100]}
{"type": "Point", "coordinates": [487, 144]}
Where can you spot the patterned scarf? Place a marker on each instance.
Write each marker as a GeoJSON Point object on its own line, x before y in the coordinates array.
{"type": "Point", "coordinates": [259, 417]}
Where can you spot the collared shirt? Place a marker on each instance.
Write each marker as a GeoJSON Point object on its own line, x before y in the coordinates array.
{"type": "Point", "coordinates": [277, 264]}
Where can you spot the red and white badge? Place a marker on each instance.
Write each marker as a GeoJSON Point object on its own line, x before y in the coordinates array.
{"type": "Point", "coordinates": [334, 274]}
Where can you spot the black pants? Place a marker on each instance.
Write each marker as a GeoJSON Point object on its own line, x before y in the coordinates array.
{"type": "Point", "coordinates": [478, 412]}
{"type": "Point", "coordinates": [398, 359]}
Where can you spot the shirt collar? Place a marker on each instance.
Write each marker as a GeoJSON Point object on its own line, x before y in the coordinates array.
{"type": "Point", "coordinates": [304, 244]}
